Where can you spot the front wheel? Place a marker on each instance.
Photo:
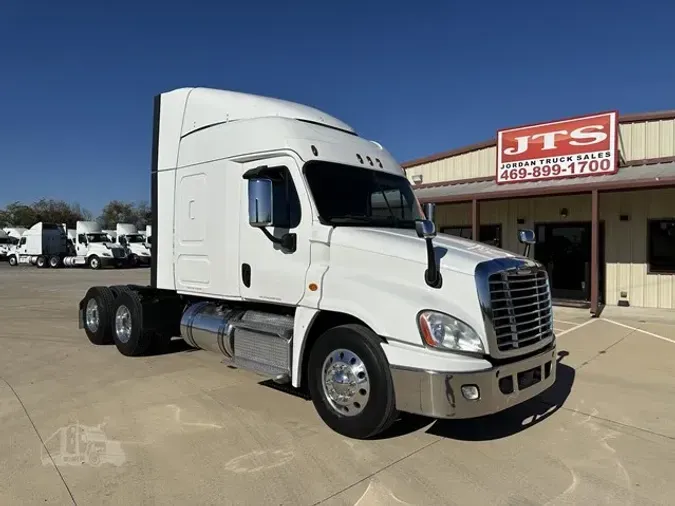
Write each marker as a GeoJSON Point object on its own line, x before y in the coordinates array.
{"type": "Point", "coordinates": [13, 261]}
{"type": "Point", "coordinates": [94, 262]}
{"type": "Point", "coordinates": [350, 382]}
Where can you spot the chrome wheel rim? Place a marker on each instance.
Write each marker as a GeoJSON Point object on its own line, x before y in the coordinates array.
{"type": "Point", "coordinates": [123, 324]}
{"type": "Point", "coordinates": [92, 315]}
{"type": "Point", "coordinates": [94, 262]}
{"type": "Point", "coordinates": [345, 382]}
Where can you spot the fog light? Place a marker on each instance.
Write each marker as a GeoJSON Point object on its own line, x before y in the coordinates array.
{"type": "Point", "coordinates": [470, 392]}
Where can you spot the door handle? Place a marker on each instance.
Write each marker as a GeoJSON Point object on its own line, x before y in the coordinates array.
{"type": "Point", "coordinates": [246, 275]}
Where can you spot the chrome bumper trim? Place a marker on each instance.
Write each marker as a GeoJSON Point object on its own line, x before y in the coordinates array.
{"type": "Point", "coordinates": [439, 394]}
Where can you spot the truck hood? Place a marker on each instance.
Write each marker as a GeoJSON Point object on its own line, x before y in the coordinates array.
{"type": "Point", "coordinates": [455, 253]}
{"type": "Point", "coordinates": [102, 245]}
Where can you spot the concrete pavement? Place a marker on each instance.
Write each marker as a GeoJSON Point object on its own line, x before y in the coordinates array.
{"type": "Point", "coordinates": [83, 424]}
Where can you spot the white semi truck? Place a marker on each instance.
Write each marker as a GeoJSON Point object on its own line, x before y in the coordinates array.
{"type": "Point", "coordinates": [7, 243]}
{"type": "Point", "coordinates": [274, 249]}
{"type": "Point", "coordinates": [9, 240]}
{"type": "Point", "coordinates": [43, 244]}
{"type": "Point", "coordinates": [94, 248]}
{"type": "Point", "coordinates": [127, 236]}
{"type": "Point", "coordinates": [53, 245]}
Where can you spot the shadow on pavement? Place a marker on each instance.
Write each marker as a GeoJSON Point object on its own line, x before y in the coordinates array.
{"type": "Point", "coordinates": [498, 426]}
{"type": "Point", "coordinates": [172, 346]}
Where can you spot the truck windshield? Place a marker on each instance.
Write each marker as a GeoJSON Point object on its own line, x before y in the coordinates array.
{"type": "Point", "coordinates": [134, 238]}
{"type": "Point", "coordinates": [5, 240]}
{"type": "Point", "coordinates": [98, 238]}
{"type": "Point", "coordinates": [347, 195]}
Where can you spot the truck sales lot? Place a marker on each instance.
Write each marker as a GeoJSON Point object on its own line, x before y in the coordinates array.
{"type": "Point", "coordinates": [84, 424]}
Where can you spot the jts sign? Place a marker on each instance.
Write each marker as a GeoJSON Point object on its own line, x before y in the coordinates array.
{"type": "Point", "coordinates": [584, 146]}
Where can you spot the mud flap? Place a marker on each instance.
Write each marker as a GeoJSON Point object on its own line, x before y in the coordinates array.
{"type": "Point", "coordinates": [81, 315]}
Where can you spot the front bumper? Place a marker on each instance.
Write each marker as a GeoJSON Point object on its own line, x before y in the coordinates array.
{"type": "Point", "coordinates": [439, 394]}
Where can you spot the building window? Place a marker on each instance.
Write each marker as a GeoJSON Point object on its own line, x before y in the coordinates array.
{"type": "Point", "coordinates": [489, 234]}
{"type": "Point", "coordinates": [661, 246]}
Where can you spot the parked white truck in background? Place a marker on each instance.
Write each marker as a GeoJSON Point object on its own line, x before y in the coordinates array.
{"type": "Point", "coordinates": [14, 233]}
{"type": "Point", "coordinates": [127, 236]}
{"type": "Point", "coordinates": [43, 244]}
{"type": "Point", "coordinates": [95, 248]}
{"type": "Point", "coordinates": [274, 249]}
{"type": "Point", "coordinates": [7, 243]}
{"type": "Point", "coordinates": [53, 245]}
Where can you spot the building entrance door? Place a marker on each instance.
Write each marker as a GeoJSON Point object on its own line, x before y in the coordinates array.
{"type": "Point", "coordinates": [565, 250]}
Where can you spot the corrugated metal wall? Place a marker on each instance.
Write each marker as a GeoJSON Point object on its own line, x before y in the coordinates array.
{"type": "Point", "coordinates": [637, 141]}
{"type": "Point", "coordinates": [626, 241]}
{"type": "Point", "coordinates": [647, 139]}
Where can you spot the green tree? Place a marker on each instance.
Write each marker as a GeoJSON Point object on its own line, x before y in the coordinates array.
{"type": "Point", "coordinates": [17, 214]}
{"type": "Point", "coordinates": [59, 211]}
{"type": "Point", "coordinates": [144, 214]}
{"type": "Point", "coordinates": [117, 211]}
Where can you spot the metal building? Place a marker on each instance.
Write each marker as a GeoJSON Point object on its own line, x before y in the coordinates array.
{"type": "Point", "coordinates": [606, 236]}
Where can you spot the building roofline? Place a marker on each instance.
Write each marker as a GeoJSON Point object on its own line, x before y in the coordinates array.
{"type": "Point", "coordinates": [515, 192]}
{"type": "Point", "coordinates": [626, 118]}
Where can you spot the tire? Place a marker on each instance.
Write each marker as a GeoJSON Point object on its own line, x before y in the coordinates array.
{"type": "Point", "coordinates": [133, 261]}
{"type": "Point", "coordinates": [94, 262]}
{"type": "Point", "coordinates": [130, 331]}
{"type": "Point", "coordinates": [12, 261]}
{"type": "Point", "coordinates": [117, 289]}
{"type": "Point", "coordinates": [372, 408]}
{"type": "Point", "coordinates": [41, 262]}
{"type": "Point", "coordinates": [97, 305]}
{"type": "Point", "coordinates": [54, 262]}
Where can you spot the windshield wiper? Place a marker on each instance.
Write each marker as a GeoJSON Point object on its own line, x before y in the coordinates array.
{"type": "Point", "coordinates": [352, 217]}
{"type": "Point", "coordinates": [375, 220]}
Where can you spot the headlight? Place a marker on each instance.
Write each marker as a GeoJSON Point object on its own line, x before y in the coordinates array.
{"type": "Point", "coordinates": [442, 331]}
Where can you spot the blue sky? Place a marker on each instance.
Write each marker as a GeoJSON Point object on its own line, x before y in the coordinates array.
{"type": "Point", "coordinates": [77, 78]}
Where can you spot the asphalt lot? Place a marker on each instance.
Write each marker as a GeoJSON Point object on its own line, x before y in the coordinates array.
{"type": "Point", "coordinates": [181, 428]}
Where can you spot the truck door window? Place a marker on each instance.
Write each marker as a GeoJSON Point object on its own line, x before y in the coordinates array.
{"type": "Point", "coordinates": [82, 239]}
{"type": "Point", "coordinates": [22, 241]}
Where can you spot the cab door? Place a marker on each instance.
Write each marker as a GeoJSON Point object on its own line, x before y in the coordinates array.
{"type": "Point", "coordinates": [81, 247]}
{"type": "Point", "coordinates": [269, 271]}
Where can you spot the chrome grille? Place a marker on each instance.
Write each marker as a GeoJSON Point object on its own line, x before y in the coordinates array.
{"type": "Point", "coordinates": [522, 313]}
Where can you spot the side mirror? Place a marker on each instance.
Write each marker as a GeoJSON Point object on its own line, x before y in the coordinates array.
{"type": "Point", "coordinates": [425, 229]}
{"type": "Point", "coordinates": [430, 211]}
{"type": "Point", "coordinates": [526, 236]}
{"type": "Point", "coordinates": [260, 202]}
